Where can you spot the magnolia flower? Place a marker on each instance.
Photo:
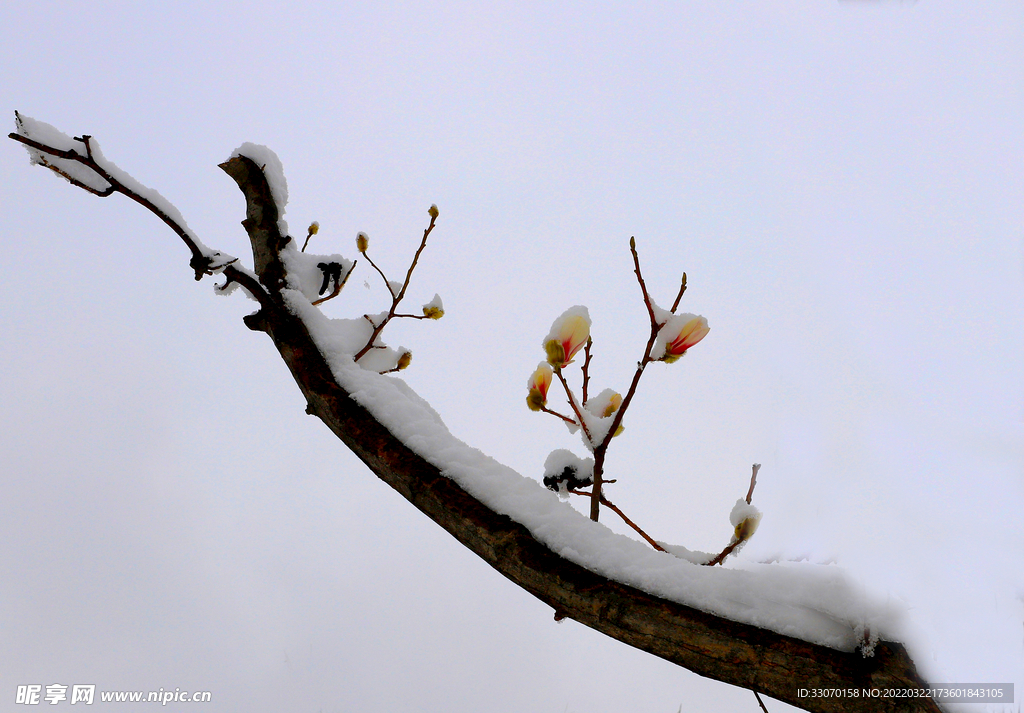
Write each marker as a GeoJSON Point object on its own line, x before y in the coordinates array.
{"type": "Point", "coordinates": [568, 335]}
{"type": "Point", "coordinates": [680, 333]}
{"type": "Point", "coordinates": [538, 385]}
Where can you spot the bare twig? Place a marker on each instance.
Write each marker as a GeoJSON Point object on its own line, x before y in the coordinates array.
{"type": "Point", "coordinates": [599, 449]}
{"type": "Point", "coordinates": [314, 228]}
{"type": "Point", "coordinates": [545, 409]}
{"type": "Point", "coordinates": [586, 368]}
{"type": "Point", "coordinates": [753, 481]}
{"type": "Point", "coordinates": [605, 501]}
{"type": "Point", "coordinates": [366, 254]}
{"type": "Point", "coordinates": [75, 182]}
{"type": "Point", "coordinates": [575, 407]}
{"type": "Point", "coordinates": [760, 702]}
{"type": "Point", "coordinates": [643, 285]}
{"type": "Point", "coordinates": [682, 289]}
{"type": "Point", "coordinates": [720, 557]}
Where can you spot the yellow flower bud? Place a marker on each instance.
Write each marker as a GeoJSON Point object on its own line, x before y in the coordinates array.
{"type": "Point", "coordinates": [555, 353]}
{"type": "Point", "coordinates": [314, 228]}
{"type": "Point", "coordinates": [362, 242]}
{"type": "Point", "coordinates": [535, 400]}
{"type": "Point", "coordinates": [746, 529]}
{"type": "Point", "coordinates": [614, 401]}
{"type": "Point", "coordinates": [538, 385]}
{"type": "Point", "coordinates": [433, 312]}
{"type": "Point", "coordinates": [433, 212]}
{"type": "Point", "coordinates": [404, 360]}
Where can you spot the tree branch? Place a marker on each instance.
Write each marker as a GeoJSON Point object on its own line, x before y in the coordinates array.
{"type": "Point", "coordinates": [736, 653]}
{"type": "Point", "coordinates": [711, 646]}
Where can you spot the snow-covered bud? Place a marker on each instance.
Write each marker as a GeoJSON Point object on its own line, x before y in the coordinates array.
{"type": "Point", "coordinates": [404, 360]}
{"type": "Point", "coordinates": [604, 405]}
{"type": "Point", "coordinates": [362, 242]}
{"type": "Point", "coordinates": [744, 518]}
{"type": "Point", "coordinates": [538, 385]}
{"type": "Point", "coordinates": [434, 309]}
{"type": "Point", "coordinates": [614, 401]}
{"type": "Point", "coordinates": [314, 228]}
{"type": "Point", "coordinates": [568, 335]}
{"type": "Point", "coordinates": [433, 212]}
{"type": "Point", "coordinates": [678, 334]}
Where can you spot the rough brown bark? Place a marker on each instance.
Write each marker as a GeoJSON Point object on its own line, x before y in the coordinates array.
{"type": "Point", "coordinates": [711, 646]}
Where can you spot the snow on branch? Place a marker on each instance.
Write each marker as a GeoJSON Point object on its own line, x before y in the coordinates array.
{"type": "Point", "coordinates": [81, 162]}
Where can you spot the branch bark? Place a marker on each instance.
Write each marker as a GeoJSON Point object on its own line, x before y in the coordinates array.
{"type": "Point", "coordinates": [711, 646]}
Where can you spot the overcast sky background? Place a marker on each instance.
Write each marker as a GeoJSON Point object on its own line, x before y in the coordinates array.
{"type": "Point", "coordinates": [841, 181]}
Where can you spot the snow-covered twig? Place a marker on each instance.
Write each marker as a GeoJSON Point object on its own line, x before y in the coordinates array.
{"type": "Point", "coordinates": [682, 289]}
{"type": "Point", "coordinates": [202, 262]}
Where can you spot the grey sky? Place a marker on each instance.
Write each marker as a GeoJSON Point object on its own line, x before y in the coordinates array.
{"type": "Point", "coordinates": [841, 182]}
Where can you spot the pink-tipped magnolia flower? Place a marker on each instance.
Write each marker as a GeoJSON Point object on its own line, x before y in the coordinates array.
{"type": "Point", "coordinates": [538, 385]}
{"type": "Point", "coordinates": [568, 335]}
{"type": "Point", "coordinates": [680, 333]}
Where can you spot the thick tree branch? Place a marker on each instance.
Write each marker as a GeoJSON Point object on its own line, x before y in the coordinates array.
{"type": "Point", "coordinates": [736, 653]}
{"type": "Point", "coordinates": [711, 646]}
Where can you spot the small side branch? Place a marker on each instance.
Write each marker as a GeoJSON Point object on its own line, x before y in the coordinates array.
{"type": "Point", "coordinates": [601, 448]}
{"type": "Point", "coordinates": [201, 263]}
{"type": "Point", "coordinates": [643, 286]}
{"type": "Point", "coordinates": [608, 503]}
{"type": "Point", "coordinates": [575, 407]}
{"type": "Point", "coordinates": [720, 557]}
{"type": "Point", "coordinates": [682, 289]}
{"type": "Point", "coordinates": [565, 418]}
{"type": "Point", "coordinates": [396, 299]}
{"type": "Point", "coordinates": [586, 368]}
{"type": "Point", "coordinates": [753, 481]}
